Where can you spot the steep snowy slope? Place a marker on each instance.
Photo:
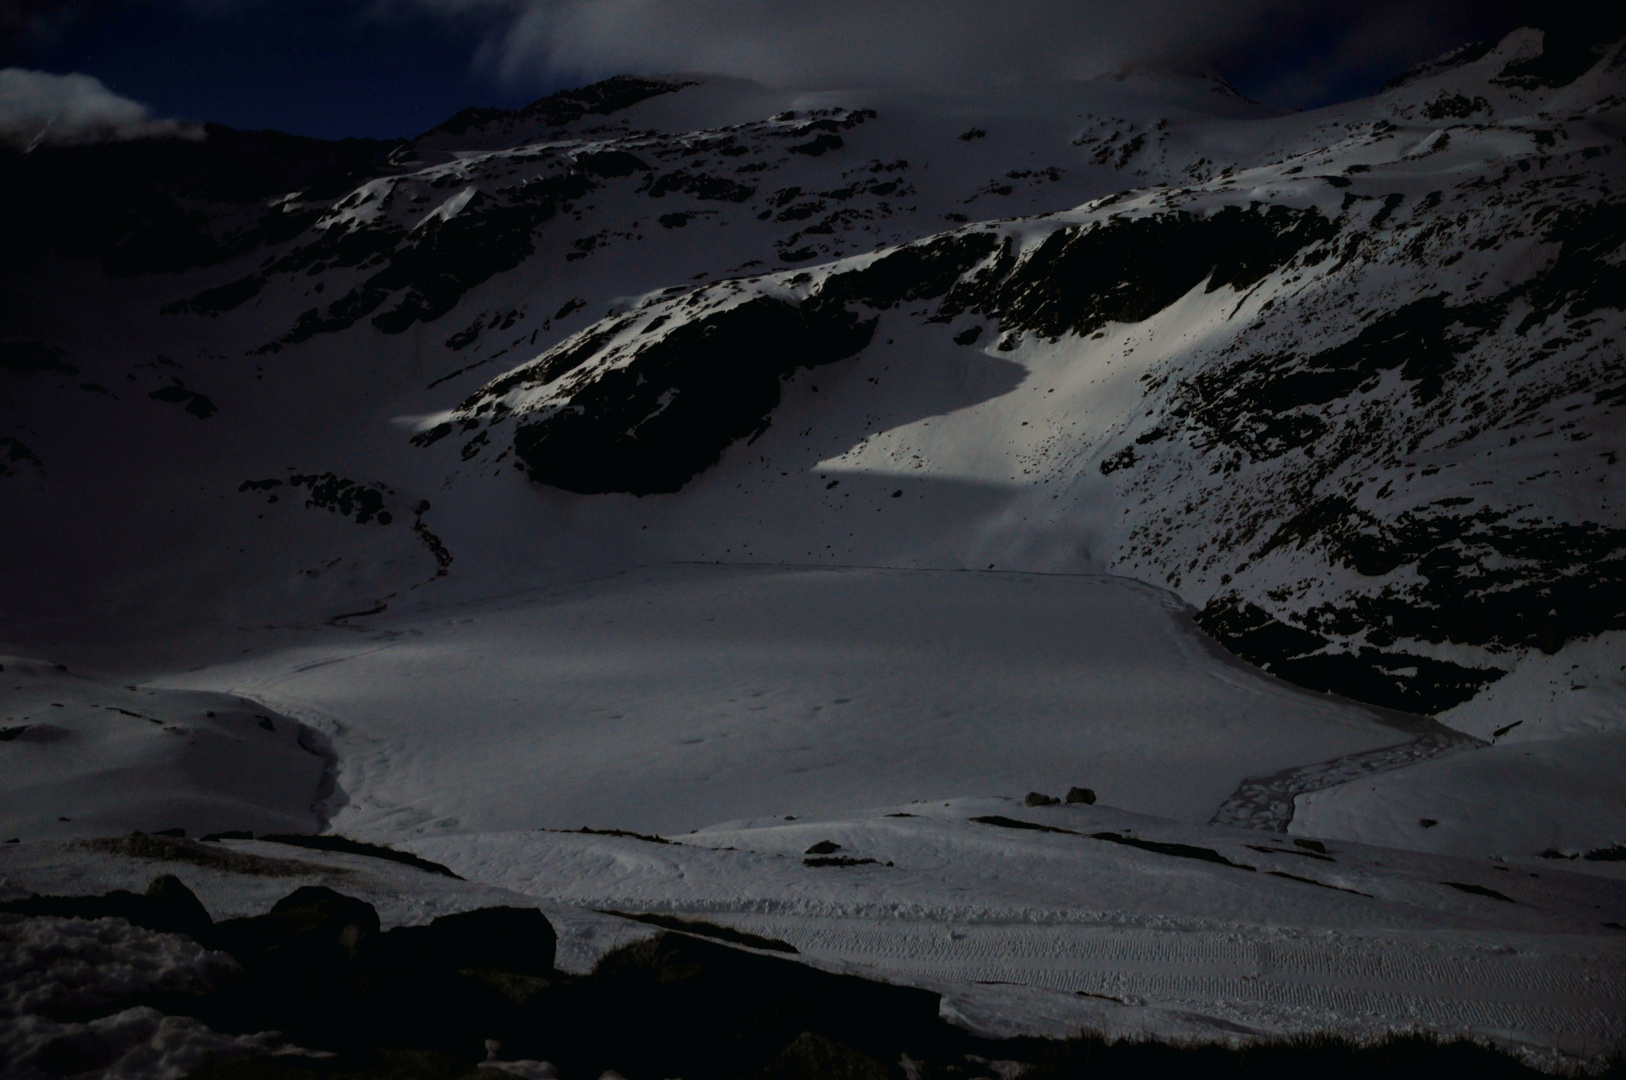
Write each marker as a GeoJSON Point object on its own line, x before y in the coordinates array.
{"type": "Point", "coordinates": [1356, 403]}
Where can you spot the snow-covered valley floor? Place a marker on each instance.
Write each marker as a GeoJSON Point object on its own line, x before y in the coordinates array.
{"type": "Point", "coordinates": [729, 720]}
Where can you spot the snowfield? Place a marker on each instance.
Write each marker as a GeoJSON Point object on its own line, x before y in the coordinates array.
{"type": "Point", "coordinates": [666, 700]}
{"type": "Point", "coordinates": [683, 497]}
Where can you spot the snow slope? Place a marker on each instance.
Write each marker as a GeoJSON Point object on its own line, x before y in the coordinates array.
{"type": "Point", "coordinates": [83, 757]}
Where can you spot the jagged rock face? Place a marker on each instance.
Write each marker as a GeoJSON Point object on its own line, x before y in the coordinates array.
{"type": "Point", "coordinates": [404, 248]}
{"type": "Point", "coordinates": [654, 423]}
{"type": "Point", "coordinates": [1384, 465]}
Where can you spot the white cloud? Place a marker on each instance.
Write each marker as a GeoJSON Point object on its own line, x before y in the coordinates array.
{"type": "Point", "coordinates": [38, 108]}
{"type": "Point", "coordinates": [826, 43]}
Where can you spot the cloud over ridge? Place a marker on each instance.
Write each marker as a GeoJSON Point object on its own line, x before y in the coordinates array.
{"type": "Point", "coordinates": [39, 108]}
{"type": "Point", "coordinates": [813, 44]}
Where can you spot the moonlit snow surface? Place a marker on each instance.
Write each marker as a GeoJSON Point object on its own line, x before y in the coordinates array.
{"type": "Point", "coordinates": [299, 585]}
{"type": "Point", "coordinates": [662, 700]}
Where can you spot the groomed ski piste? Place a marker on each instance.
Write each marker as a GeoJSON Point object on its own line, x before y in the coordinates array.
{"type": "Point", "coordinates": [792, 659]}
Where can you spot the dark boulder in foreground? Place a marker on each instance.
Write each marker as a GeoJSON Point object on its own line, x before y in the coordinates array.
{"type": "Point", "coordinates": [435, 1002]}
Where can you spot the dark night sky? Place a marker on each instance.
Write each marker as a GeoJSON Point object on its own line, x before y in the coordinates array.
{"type": "Point", "coordinates": [386, 68]}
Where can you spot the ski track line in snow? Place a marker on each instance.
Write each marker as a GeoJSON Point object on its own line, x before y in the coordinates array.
{"type": "Point", "coordinates": [1374, 983]}
{"type": "Point", "coordinates": [1266, 802]}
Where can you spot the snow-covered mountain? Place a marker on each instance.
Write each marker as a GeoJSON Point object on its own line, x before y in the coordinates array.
{"type": "Point", "coordinates": [1350, 394]}
{"type": "Point", "coordinates": [931, 375]}
{"type": "Point", "coordinates": [1339, 379]}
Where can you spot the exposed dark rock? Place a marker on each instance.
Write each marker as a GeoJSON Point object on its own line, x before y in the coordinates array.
{"type": "Point", "coordinates": [431, 1001]}
{"type": "Point", "coordinates": [823, 847]}
{"type": "Point", "coordinates": [1016, 823]}
{"type": "Point", "coordinates": [1129, 269]}
{"type": "Point", "coordinates": [1081, 795]}
{"type": "Point", "coordinates": [518, 940]}
{"type": "Point", "coordinates": [709, 930]}
{"type": "Point", "coordinates": [706, 1010]}
{"type": "Point", "coordinates": [347, 846]}
{"type": "Point", "coordinates": [837, 860]}
{"type": "Point", "coordinates": [653, 423]}
{"type": "Point", "coordinates": [168, 907]}
{"type": "Point", "coordinates": [1036, 798]}
{"type": "Point", "coordinates": [645, 837]}
{"type": "Point", "coordinates": [1183, 851]}
{"type": "Point", "coordinates": [333, 493]}
{"type": "Point", "coordinates": [1479, 890]}
{"type": "Point", "coordinates": [602, 98]}
{"type": "Point", "coordinates": [1394, 679]}
{"type": "Point", "coordinates": [814, 1057]}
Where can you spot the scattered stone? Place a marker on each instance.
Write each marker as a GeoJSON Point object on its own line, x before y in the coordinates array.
{"type": "Point", "coordinates": [1036, 798]}
{"type": "Point", "coordinates": [710, 930]}
{"type": "Point", "coordinates": [1080, 795]}
{"type": "Point", "coordinates": [1479, 890]}
{"type": "Point", "coordinates": [1427, 822]}
{"type": "Point", "coordinates": [823, 847]}
{"type": "Point", "coordinates": [835, 860]}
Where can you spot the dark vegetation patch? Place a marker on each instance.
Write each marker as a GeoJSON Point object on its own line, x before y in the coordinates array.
{"type": "Point", "coordinates": [422, 1001]}
{"type": "Point", "coordinates": [710, 930]}
{"type": "Point", "coordinates": [1003, 822]}
{"type": "Point", "coordinates": [623, 833]}
{"type": "Point", "coordinates": [1479, 890]}
{"type": "Point", "coordinates": [346, 846]}
{"type": "Point", "coordinates": [209, 856]}
{"type": "Point", "coordinates": [1181, 851]}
